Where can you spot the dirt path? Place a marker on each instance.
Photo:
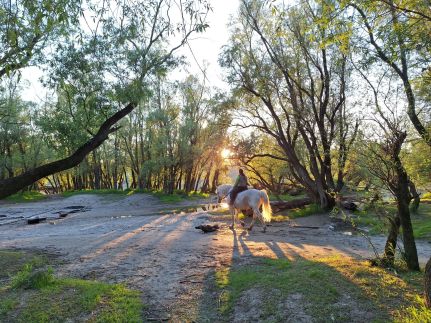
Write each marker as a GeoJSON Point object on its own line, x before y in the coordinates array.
{"type": "Point", "coordinates": [132, 240]}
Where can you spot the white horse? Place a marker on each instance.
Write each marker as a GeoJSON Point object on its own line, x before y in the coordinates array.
{"type": "Point", "coordinates": [223, 191]}
{"type": "Point", "coordinates": [252, 199]}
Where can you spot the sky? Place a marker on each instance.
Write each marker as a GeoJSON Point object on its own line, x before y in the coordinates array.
{"type": "Point", "coordinates": [206, 47]}
{"type": "Point", "coordinates": [204, 51]}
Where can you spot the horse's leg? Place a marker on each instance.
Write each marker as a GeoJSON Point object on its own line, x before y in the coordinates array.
{"type": "Point", "coordinates": [252, 221]}
{"type": "Point", "coordinates": [260, 216]}
{"type": "Point", "coordinates": [232, 211]}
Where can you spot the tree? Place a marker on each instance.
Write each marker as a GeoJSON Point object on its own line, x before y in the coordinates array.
{"type": "Point", "coordinates": [397, 34]}
{"type": "Point", "coordinates": [384, 161]}
{"type": "Point", "coordinates": [428, 283]}
{"type": "Point", "coordinates": [134, 49]}
{"type": "Point", "coordinates": [291, 74]}
{"type": "Point", "coordinates": [268, 168]}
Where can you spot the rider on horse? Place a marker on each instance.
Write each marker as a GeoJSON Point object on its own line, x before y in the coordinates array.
{"type": "Point", "coordinates": [239, 186]}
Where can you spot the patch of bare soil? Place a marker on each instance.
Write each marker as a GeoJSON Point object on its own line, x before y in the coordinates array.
{"type": "Point", "coordinates": [134, 240]}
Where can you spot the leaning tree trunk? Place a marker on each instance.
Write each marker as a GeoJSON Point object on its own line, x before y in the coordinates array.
{"type": "Point", "coordinates": [12, 185]}
{"type": "Point", "coordinates": [427, 279]}
{"type": "Point", "coordinates": [403, 201]}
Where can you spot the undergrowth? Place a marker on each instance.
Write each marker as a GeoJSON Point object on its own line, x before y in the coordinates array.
{"type": "Point", "coordinates": [33, 294]}
{"type": "Point", "coordinates": [27, 196]}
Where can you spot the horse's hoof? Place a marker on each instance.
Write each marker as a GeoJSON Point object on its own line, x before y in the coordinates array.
{"type": "Point", "coordinates": [264, 230]}
{"type": "Point", "coordinates": [242, 224]}
{"type": "Point", "coordinates": [231, 227]}
{"type": "Point", "coordinates": [249, 229]}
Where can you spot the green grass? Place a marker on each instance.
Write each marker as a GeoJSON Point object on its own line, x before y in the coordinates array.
{"type": "Point", "coordinates": [11, 262]}
{"type": "Point", "coordinates": [177, 196]}
{"type": "Point", "coordinates": [286, 197]}
{"type": "Point", "coordinates": [379, 224]}
{"type": "Point", "coordinates": [307, 210]}
{"type": "Point", "coordinates": [33, 294]}
{"type": "Point", "coordinates": [27, 196]}
{"type": "Point", "coordinates": [328, 289]}
{"type": "Point", "coordinates": [97, 192]}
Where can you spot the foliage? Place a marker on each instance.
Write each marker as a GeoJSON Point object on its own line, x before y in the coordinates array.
{"type": "Point", "coordinates": [417, 160]}
{"type": "Point", "coordinates": [27, 27]}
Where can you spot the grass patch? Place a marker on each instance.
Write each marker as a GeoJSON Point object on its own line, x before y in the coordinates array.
{"type": "Point", "coordinates": [177, 196]}
{"type": "Point", "coordinates": [97, 192]}
{"type": "Point", "coordinates": [286, 215]}
{"type": "Point", "coordinates": [34, 294]}
{"type": "Point", "coordinates": [29, 278]}
{"type": "Point", "coordinates": [334, 288]}
{"type": "Point", "coordinates": [285, 197]}
{"type": "Point", "coordinates": [11, 262]}
{"type": "Point", "coordinates": [378, 224]}
{"type": "Point", "coordinates": [27, 196]}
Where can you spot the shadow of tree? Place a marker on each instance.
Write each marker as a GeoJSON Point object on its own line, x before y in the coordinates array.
{"type": "Point", "coordinates": [289, 287]}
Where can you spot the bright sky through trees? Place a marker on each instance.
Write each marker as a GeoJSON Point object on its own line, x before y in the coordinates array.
{"type": "Point", "coordinates": [203, 53]}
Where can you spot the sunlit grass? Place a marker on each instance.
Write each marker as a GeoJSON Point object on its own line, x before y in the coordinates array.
{"type": "Point", "coordinates": [286, 215]}
{"type": "Point", "coordinates": [379, 224]}
{"type": "Point", "coordinates": [333, 287]}
{"type": "Point", "coordinates": [177, 196]}
{"type": "Point", "coordinates": [286, 197]}
{"type": "Point", "coordinates": [96, 192]}
{"type": "Point", "coordinates": [27, 196]}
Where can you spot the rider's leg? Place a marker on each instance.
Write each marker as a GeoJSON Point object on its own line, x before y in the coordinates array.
{"type": "Point", "coordinates": [233, 195]}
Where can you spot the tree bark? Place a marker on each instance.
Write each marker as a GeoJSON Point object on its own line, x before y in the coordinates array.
{"type": "Point", "coordinates": [391, 241]}
{"type": "Point", "coordinates": [12, 185]}
{"type": "Point", "coordinates": [427, 280]}
{"type": "Point", "coordinates": [416, 198]}
{"type": "Point", "coordinates": [403, 201]}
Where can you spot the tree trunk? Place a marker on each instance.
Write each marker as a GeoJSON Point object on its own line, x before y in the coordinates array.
{"type": "Point", "coordinates": [215, 181]}
{"type": "Point", "coordinates": [416, 198]}
{"type": "Point", "coordinates": [410, 250]}
{"type": "Point", "coordinates": [391, 241]}
{"type": "Point", "coordinates": [13, 185]}
{"type": "Point", "coordinates": [403, 200]}
{"type": "Point", "coordinates": [427, 280]}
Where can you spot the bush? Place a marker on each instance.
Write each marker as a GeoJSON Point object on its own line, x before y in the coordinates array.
{"type": "Point", "coordinates": [28, 278]}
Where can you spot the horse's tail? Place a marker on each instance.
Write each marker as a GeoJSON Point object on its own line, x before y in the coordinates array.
{"type": "Point", "coordinates": [266, 206]}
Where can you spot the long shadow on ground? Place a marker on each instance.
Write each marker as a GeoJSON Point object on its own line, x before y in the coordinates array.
{"type": "Point", "coordinates": [287, 287]}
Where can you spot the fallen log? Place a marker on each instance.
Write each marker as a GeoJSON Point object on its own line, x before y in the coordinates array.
{"type": "Point", "coordinates": [287, 205]}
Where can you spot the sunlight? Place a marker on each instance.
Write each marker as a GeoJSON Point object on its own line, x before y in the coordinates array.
{"type": "Point", "coordinates": [226, 153]}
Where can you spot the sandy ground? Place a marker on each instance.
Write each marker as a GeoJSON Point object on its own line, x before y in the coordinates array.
{"type": "Point", "coordinates": [138, 241]}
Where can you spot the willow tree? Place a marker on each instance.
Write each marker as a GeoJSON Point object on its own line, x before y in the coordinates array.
{"type": "Point", "coordinates": [396, 33]}
{"type": "Point", "coordinates": [291, 74]}
{"type": "Point", "coordinates": [131, 38]}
